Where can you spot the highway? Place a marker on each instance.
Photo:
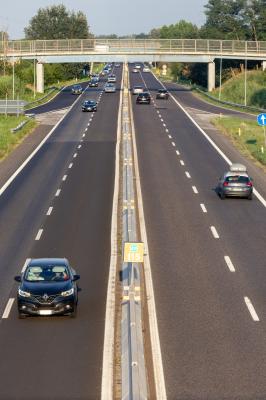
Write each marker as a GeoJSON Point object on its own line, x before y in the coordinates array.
{"type": "Point", "coordinates": [60, 206]}
{"type": "Point", "coordinates": [207, 255]}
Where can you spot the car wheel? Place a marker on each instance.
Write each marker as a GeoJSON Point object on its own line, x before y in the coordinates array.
{"type": "Point", "coordinates": [222, 195]}
{"type": "Point", "coordinates": [73, 314]}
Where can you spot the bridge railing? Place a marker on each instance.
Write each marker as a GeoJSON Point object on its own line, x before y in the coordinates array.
{"type": "Point", "coordinates": [145, 46]}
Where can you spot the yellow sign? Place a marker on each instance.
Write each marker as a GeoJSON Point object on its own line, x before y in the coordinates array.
{"type": "Point", "coordinates": [133, 252]}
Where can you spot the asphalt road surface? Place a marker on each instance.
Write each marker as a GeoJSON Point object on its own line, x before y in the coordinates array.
{"type": "Point", "coordinates": [63, 198]}
{"type": "Point", "coordinates": [207, 257]}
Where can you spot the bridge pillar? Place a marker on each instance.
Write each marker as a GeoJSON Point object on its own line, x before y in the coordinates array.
{"type": "Point", "coordinates": [264, 65]}
{"type": "Point", "coordinates": [40, 77]}
{"type": "Point", "coordinates": [211, 76]}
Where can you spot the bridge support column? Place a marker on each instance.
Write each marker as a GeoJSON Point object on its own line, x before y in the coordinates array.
{"type": "Point", "coordinates": [263, 65]}
{"type": "Point", "coordinates": [40, 77]}
{"type": "Point", "coordinates": [211, 76]}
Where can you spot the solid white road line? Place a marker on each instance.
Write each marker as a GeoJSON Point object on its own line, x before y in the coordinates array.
{"type": "Point", "coordinates": [173, 144]}
{"type": "Point", "coordinates": [188, 174]}
{"type": "Point", "coordinates": [25, 264]}
{"type": "Point", "coordinates": [251, 309]}
{"type": "Point", "coordinates": [57, 192]}
{"type": "Point", "coordinates": [70, 165]}
{"type": "Point", "coordinates": [195, 190]}
{"type": "Point", "coordinates": [204, 209]}
{"type": "Point", "coordinates": [109, 330]}
{"type": "Point", "coordinates": [39, 234]}
{"type": "Point", "coordinates": [182, 162]}
{"type": "Point", "coordinates": [64, 177]}
{"type": "Point", "coordinates": [214, 232]}
{"type": "Point", "coordinates": [229, 264]}
{"type": "Point", "coordinates": [49, 212]}
{"type": "Point", "coordinates": [8, 308]}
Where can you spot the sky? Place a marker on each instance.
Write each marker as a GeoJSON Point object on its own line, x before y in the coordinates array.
{"type": "Point", "coordinates": [121, 17]}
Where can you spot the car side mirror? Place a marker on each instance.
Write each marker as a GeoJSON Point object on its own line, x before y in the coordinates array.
{"type": "Point", "coordinates": [76, 277]}
{"type": "Point", "coordinates": [17, 278]}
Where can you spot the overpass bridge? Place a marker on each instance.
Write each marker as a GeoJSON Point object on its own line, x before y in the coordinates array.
{"type": "Point", "coordinates": [130, 50]}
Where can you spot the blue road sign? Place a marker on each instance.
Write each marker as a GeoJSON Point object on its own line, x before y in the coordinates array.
{"type": "Point", "coordinates": [261, 118]}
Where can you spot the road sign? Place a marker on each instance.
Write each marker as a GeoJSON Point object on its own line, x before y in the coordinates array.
{"type": "Point", "coordinates": [261, 118]}
{"type": "Point", "coordinates": [133, 252]}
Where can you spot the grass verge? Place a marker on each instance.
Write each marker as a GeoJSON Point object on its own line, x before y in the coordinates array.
{"type": "Point", "coordinates": [9, 140]}
{"type": "Point", "coordinates": [247, 136]}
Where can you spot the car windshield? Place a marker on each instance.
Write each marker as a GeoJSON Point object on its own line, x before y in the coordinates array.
{"type": "Point", "coordinates": [46, 273]}
{"type": "Point", "coordinates": [162, 91]}
{"type": "Point", "coordinates": [89, 103]}
{"type": "Point", "coordinates": [237, 179]}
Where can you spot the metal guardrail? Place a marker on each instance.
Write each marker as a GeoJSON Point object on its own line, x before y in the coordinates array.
{"type": "Point", "coordinates": [228, 103]}
{"type": "Point", "coordinates": [20, 48]}
{"type": "Point", "coordinates": [36, 102]}
{"type": "Point", "coordinates": [12, 107]}
{"type": "Point", "coordinates": [134, 384]}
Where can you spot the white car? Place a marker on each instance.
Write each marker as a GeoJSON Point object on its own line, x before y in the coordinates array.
{"type": "Point", "coordinates": [111, 78]}
{"type": "Point", "coordinates": [109, 88]}
{"type": "Point", "coordinates": [137, 90]}
{"type": "Point", "coordinates": [146, 69]}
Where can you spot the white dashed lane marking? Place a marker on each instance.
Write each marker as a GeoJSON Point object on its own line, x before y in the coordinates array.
{"type": "Point", "coordinates": [64, 177]}
{"type": "Point", "coordinates": [251, 309]}
{"type": "Point", "coordinates": [204, 209]}
{"type": "Point", "coordinates": [57, 192]}
{"type": "Point", "coordinates": [70, 165]}
{"type": "Point", "coordinates": [182, 162]}
{"type": "Point", "coordinates": [39, 234]}
{"type": "Point", "coordinates": [8, 308]}
{"type": "Point", "coordinates": [166, 130]}
{"type": "Point", "coordinates": [195, 190]}
{"type": "Point", "coordinates": [188, 174]}
{"type": "Point", "coordinates": [170, 137]}
{"type": "Point", "coordinates": [229, 264]}
{"type": "Point", "coordinates": [49, 212]}
{"type": "Point", "coordinates": [75, 155]}
{"type": "Point", "coordinates": [177, 152]}
{"type": "Point", "coordinates": [79, 146]}
{"type": "Point", "coordinates": [214, 232]}
{"type": "Point", "coordinates": [173, 144]}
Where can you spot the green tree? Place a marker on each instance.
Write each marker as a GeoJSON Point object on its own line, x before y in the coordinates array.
{"type": "Point", "coordinates": [56, 22]}
{"type": "Point", "coordinates": [181, 30]}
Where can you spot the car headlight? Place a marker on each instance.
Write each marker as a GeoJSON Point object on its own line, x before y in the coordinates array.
{"type": "Point", "coordinates": [67, 292]}
{"type": "Point", "coordinates": [23, 294]}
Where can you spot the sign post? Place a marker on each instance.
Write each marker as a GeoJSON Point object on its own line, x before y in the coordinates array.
{"type": "Point", "coordinates": [133, 252]}
{"type": "Point", "coordinates": [261, 118]}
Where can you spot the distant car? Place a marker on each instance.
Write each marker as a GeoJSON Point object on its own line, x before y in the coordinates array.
{"type": "Point", "coordinates": [235, 183]}
{"type": "Point", "coordinates": [89, 105]}
{"type": "Point", "coordinates": [93, 83]}
{"type": "Point", "coordinates": [146, 69]}
{"type": "Point", "coordinates": [143, 98]}
{"type": "Point", "coordinates": [111, 78]}
{"type": "Point", "coordinates": [117, 65]}
{"type": "Point", "coordinates": [47, 287]}
{"type": "Point", "coordinates": [95, 77]}
{"type": "Point", "coordinates": [137, 89]}
{"type": "Point", "coordinates": [135, 70]}
{"type": "Point", "coordinates": [109, 88]}
{"type": "Point", "coordinates": [162, 94]}
{"type": "Point", "coordinates": [138, 66]}
{"type": "Point", "coordinates": [76, 89]}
